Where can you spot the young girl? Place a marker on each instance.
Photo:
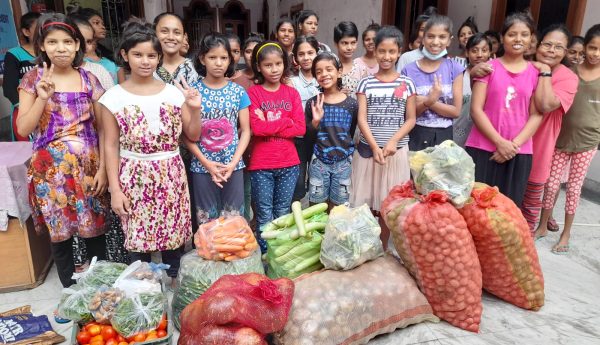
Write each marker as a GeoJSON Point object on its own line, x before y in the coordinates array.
{"type": "Point", "coordinates": [236, 51]}
{"type": "Point", "coordinates": [494, 37]}
{"type": "Point", "coordinates": [330, 121]}
{"type": "Point", "coordinates": [575, 54]}
{"type": "Point", "coordinates": [18, 61]}
{"type": "Point", "coordinates": [173, 67]}
{"type": "Point", "coordinates": [305, 50]}
{"type": "Point", "coordinates": [418, 29]}
{"type": "Point", "coordinates": [99, 54]}
{"type": "Point", "coordinates": [67, 179]}
{"type": "Point", "coordinates": [577, 142]}
{"type": "Point", "coordinates": [467, 29]}
{"type": "Point", "coordinates": [478, 51]}
{"type": "Point", "coordinates": [217, 164]}
{"type": "Point", "coordinates": [285, 34]}
{"type": "Point", "coordinates": [276, 118]}
{"type": "Point", "coordinates": [439, 83]}
{"type": "Point", "coordinates": [345, 36]}
{"type": "Point", "coordinates": [386, 114]}
{"type": "Point", "coordinates": [307, 23]}
{"type": "Point", "coordinates": [144, 118]}
{"type": "Point", "coordinates": [368, 60]}
{"type": "Point", "coordinates": [246, 78]}
{"type": "Point", "coordinates": [97, 69]}
{"type": "Point", "coordinates": [505, 115]}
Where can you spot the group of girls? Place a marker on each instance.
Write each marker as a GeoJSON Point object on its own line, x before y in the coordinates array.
{"type": "Point", "coordinates": [258, 124]}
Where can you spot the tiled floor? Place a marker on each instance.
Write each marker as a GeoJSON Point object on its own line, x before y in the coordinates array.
{"type": "Point", "coordinates": [571, 314]}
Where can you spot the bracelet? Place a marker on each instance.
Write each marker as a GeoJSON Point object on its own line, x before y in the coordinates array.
{"type": "Point", "coordinates": [545, 74]}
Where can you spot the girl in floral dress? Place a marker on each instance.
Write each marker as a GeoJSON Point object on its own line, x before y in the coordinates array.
{"type": "Point", "coordinates": [58, 104]}
{"type": "Point", "coordinates": [144, 119]}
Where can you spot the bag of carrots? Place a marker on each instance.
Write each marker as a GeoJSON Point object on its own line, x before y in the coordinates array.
{"type": "Point", "coordinates": [225, 238]}
{"type": "Point", "coordinates": [509, 260]}
{"type": "Point", "coordinates": [434, 243]}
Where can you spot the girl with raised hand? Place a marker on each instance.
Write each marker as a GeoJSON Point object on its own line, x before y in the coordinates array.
{"type": "Point", "coordinates": [345, 36]}
{"type": "Point", "coordinates": [67, 177]}
{"type": "Point", "coordinates": [144, 118]}
{"type": "Point", "coordinates": [386, 114]}
{"type": "Point", "coordinates": [331, 120]}
{"type": "Point", "coordinates": [305, 50]}
{"type": "Point", "coordinates": [559, 85]}
{"type": "Point", "coordinates": [217, 164]}
{"type": "Point", "coordinates": [505, 114]}
{"type": "Point", "coordinates": [439, 83]}
{"type": "Point", "coordinates": [307, 23]}
{"type": "Point", "coordinates": [368, 60]}
{"type": "Point", "coordinates": [173, 68]}
{"type": "Point", "coordinates": [577, 142]}
{"type": "Point", "coordinates": [276, 118]}
{"type": "Point", "coordinates": [18, 61]}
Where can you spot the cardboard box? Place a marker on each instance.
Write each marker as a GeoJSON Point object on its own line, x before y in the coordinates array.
{"type": "Point", "coordinates": [25, 256]}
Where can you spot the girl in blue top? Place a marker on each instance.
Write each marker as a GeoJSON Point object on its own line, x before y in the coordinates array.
{"type": "Point", "coordinates": [439, 83]}
{"type": "Point", "coordinates": [217, 174]}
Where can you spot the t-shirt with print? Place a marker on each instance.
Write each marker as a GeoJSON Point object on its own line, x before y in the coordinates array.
{"type": "Point", "coordinates": [333, 138]}
{"type": "Point", "coordinates": [386, 107]}
{"type": "Point", "coordinates": [219, 138]}
{"type": "Point", "coordinates": [506, 105]}
{"type": "Point", "coordinates": [109, 65]}
{"type": "Point", "coordinates": [449, 70]}
{"type": "Point", "coordinates": [351, 79]}
{"type": "Point", "coordinates": [185, 71]}
{"type": "Point", "coordinates": [408, 57]}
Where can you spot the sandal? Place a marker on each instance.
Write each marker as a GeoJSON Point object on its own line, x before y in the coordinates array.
{"type": "Point", "coordinates": [562, 249]}
{"type": "Point", "coordinates": [59, 319]}
{"type": "Point", "coordinates": [552, 225]}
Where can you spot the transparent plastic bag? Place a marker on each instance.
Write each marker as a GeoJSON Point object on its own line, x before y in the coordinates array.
{"type": "Point", "coordinates": [74, 303]}
{"type": "Point", "coordinates": [226, 238]}
{"type": "Point", "coordinates": [138, 314]}
{"type": "Point", "coordinates": [352, 307]}
{"type": "Point", "coordinates": [351, 238]}
{"type": "Point", "coordinates": [100, 273]}
{"type": "Point", "coordinates": [197, 274]}
{"type": "Point", "coordinates": [291, 258]}
{"type": "Point", "coordinates": [447, 167]}
{"type": "Point", "coordinates": [141, 277]}
{"type": "Point", "coordinates": [104, 303]}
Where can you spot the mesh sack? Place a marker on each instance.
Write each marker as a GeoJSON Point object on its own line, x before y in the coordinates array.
{"type": "Point", "coordinates": [509, 262]}
{"type": "Point", "coordinates": [223, 335]}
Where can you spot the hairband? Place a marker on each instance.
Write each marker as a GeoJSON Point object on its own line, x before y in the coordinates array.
{"type": "Point", "coordinates": [268, 44]}
{"type": "Point", "coordinates": [335, 57]}
{"type": "Point", "coordinates": [58, 24]}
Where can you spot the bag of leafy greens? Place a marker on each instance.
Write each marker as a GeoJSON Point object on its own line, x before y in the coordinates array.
{"type": "Point", "coordinates": [74, 303]}
{"type": "Point", "coordinates": [100, 273]}
{"type": "Point", "coordinates": [139, 313]}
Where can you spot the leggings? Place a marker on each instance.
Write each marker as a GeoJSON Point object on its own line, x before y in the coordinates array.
{"type": "Point", "coordinates": [532, 203]}
{"type": "Point", "coordinates": [62, 252]}
{"type": "Point", "coordinates": [578, 163]}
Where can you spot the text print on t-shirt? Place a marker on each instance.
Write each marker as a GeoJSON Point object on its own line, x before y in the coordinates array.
{"type": "Point", "coordinates": [273, 109]}
{"type": "Point", "coordinates": [388, 110]}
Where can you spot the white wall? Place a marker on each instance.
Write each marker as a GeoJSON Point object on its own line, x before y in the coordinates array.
{"type": "Point", "coordinates": [153, 8]}
{"type": "Point", "coordinates": [592, 15]}
{"type": "Point", "coordinates": [460, 10]}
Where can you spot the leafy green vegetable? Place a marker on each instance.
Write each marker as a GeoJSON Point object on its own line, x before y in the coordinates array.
{"type": "Point", "coordinates": [139, 313]}
{"type": "Point", "coordinates": [74, 303]}
{"type": "Point", "coordinates": [101, 273]}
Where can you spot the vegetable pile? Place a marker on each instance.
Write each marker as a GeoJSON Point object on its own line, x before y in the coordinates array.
{"type": "Point", "coordinates": [196, 275]}
{"type": "Point", "coordinates": [351, 238]}
{"type": "Point", "coordinates": [294, 241]}
{"type": "Point", "coordinates": [352, 307]}
{"type": "Point", "coordinates": [242, 307]}
{"type": "Point", "coordinates": [138, 314]}
{"type": "Point", "coordinates": [435, 245]}
{"type": "Point", "coordinates": [509, 260]}
{"type": "Point", "coordinates": [100, 273]}
{"type": "Point", "coordinates": [103, 304]}
{"type": "Point", "coordinates": [446, 167]}
{"type": "Point", "coordinates": [94, 333]}
{"type": "Point", "coordinates": [74, 303]}
{"type": "Point", "coordinates": [226, 238]}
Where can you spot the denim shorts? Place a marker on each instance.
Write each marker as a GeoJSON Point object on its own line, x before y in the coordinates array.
{"type": "Point", "coordinates": [330, 181]}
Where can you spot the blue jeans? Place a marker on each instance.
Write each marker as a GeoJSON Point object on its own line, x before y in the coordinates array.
{"type": "Point", "coordinates": [272, 192]}
{"type": "Point", "coordinates": [330, 181]}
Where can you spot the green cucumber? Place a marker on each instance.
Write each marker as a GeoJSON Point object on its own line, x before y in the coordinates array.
{"type": "Point", "coordinates": [307, 262]}
{"type": "Point", "coordinates": [298, 251]}
{"type": "Point", "coordinates": [297, 212]}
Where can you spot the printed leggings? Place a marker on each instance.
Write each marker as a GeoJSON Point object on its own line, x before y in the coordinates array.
{"type": "Point", "coordinates": [532, 203]}
{"type": "Point", "coordinates": [578, 164]}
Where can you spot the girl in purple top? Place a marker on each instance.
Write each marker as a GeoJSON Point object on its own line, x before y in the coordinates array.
{"type": "Point", "coordinates": [504, 114]}
{"type": "Point", "coordinates": [439, 86]}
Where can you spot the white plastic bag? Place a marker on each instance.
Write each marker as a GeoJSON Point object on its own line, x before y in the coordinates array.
{"type": "Point", "coordinates": [351, 238]}
{"type": "Point", "coordinates": [140, 277]}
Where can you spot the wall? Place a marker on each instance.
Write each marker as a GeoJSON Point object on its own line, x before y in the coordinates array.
{"type": "Point", "coordinates": [255, 7]}
{"type": "Point", "coordinates": [592, 15]}
{"type": "Point", "coordinates": [460, 10]}
{"type": "Point", "coordinates": [153, 8]}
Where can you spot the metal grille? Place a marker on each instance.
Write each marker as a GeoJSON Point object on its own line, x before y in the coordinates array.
{"type": "Point", "coordinates": [115, 13]}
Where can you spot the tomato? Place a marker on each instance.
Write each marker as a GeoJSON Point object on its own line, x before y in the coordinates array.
{"type": "Point", "coordinates": [108, 333]}
{"type": "Point", "coordinates": [83, 337]}
{"type": "Point", "coordinates": [140, 337]}
{"type": "Point", "coordinates": [90, 324]}
{"type": "Point", "coordinates": [94, 330]}
{"type": "Point", "coordinates": [161, 333]}
{"type": "Point", "coordinates": [163, 324]}
{"type": "Point", "coordinates": [123, 343]}
{"type": "Point", "coordinates": [151, 336]}
{"type": "Point", "coordinates": [111, 342]}
{"type": "Point", "coordinates": [97, 342]}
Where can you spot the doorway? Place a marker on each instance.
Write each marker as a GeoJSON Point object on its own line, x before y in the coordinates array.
{"type": "Point", "coordinates": [199, 20]}
{"type": "Point", "coordinates": [235, 19]}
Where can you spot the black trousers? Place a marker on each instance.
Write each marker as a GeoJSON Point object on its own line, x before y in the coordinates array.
{"type": "Point", "coordinates": [169, 257]}
{"type": "Point", "coordinates": [63, 256]}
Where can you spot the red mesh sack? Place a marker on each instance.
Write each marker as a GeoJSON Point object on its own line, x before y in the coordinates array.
{"type": "Point", "coordinates": [434, 243]}
{"type": "Point", "coordinates": [509, 260]}
{"type": "Point", "coordinates": [222, 335]}
{"type": "Point", "coordinates": [225, 238]}
{"type": "Point", "coordinates": [248, 300]}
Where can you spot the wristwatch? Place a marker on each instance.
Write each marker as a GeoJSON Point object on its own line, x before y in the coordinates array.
{"type": "Point", "coordinates": [545, 74]}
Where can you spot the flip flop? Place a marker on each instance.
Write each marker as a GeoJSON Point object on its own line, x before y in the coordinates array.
{"type": "Point", "coordinates": [562, 249]}
{"type": "Point", "coordinates": [537, 238]}
{"type": "Point", "coordinates": [59, 319]}
{"type": "Point", "coordinates": [552, 225]}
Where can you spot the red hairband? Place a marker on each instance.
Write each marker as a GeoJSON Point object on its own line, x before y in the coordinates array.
{"type": "Point", "coordinates": [59, 24]}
